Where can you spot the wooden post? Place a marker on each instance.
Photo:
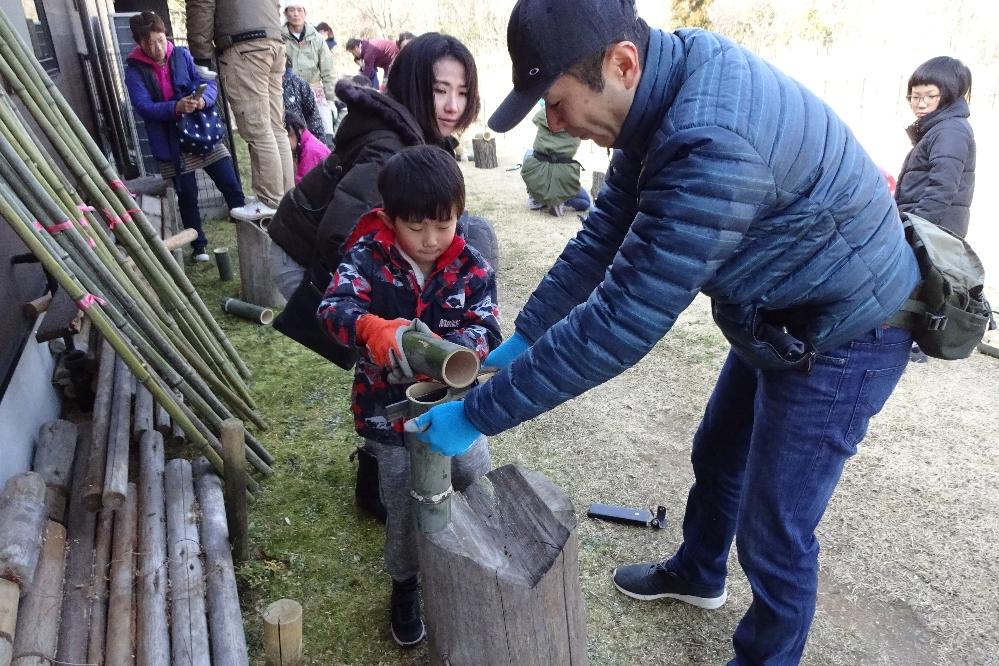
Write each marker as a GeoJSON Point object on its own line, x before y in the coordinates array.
{"type": "Point", "coordinates": [188, 627]}
{"type": "Point", "coordinates": [10, 597]}
{"type": "Point", "coordinates": [225, 621]}
{"type": "Point", "coordinates": [429, 471]}
{"type": "Point", "coordinates": [234, 463]}
{"type": "Point", "coordinates": [162, 421]}
{"type": "Point", "coordinates": [119, 438]}
{"type": "Point", "coordinates": [121, 603]}
{"type": "Point", "coordinates": [32, 309]}
{"type": "Point", "coordinates": [93, 483]}
{"type": "Point", "coordinates": [80, 523]}
{"type": "Point", "coordinates": [152, 636]}
{"type": "Point", "coordinates": [22, 524]}
{"type": "Point", "coordinates": [484, 151]}
{"type": "Point", "coordinates": [502, 580]}
{"type": "Point", "coordinates": [283, 633]}
{"type": "Point", "coordinates": [54, 461]}
{"type": "Point", "coordinates": [38, 618]}
{"type": "Point", "coordinates": [144, 413]}
{"type": "Point", "coordinates": [598, 182]}
{"type": "Point", "coordinates": [102, 579]}
{"type": "Point", "coordinates": [254, 248]}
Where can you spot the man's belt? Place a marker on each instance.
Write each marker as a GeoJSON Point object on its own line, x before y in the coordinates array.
{"type": "Point", "coordinates": [224, 42]}
{"type": "Point", "coordinates": [554, 159]}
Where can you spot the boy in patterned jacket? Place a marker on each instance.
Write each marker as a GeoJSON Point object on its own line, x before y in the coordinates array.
{"type": "Point", "coordinates": [405, 267]}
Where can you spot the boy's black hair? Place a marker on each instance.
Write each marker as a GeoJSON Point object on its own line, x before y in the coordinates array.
{"type": "Point", "coordinates": [590, 70]}
{"type": "Point", "coordinates": [352, 43]}
{"type": "Point", "coordinates": [411, 81]}
{"type": "Point", "coordinates": [950, 75]}
{"type": "Point", "coordinates": [362, 80]}
{"type": "Point", "coordinates": [422, 183]}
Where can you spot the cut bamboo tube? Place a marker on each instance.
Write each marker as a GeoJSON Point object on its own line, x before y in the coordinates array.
{"type": "Point", "coordinates": [248, 311]}
{"type": "Point", "coordinates": [439, 359]}
{"type": "Point", "coordinates": [283, 633]}
{"type": "Point", "coordinates": [225, 620]}
{"type": "Point", "coordinates": [188, 627]}
{"type": "Point", "coordinates": [152, 630]}
{"type": "Point", "coordinates": [121, 602]}
{"type": "Point", "coordinates": [22, 524]}
{"type": "Point", "coordinates": [429, 471]}
{"type": "Point", "coordinates": [54, 461]}
{"type": "Point", "coordinates": [38, 617]}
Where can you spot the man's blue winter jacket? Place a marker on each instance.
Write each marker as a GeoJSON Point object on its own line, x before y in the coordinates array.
{"type": "Point", "coordinates": [730, 179]}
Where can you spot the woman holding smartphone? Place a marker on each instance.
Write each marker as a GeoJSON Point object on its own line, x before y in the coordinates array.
{"type": "Point", "coordinates": [163, 85]}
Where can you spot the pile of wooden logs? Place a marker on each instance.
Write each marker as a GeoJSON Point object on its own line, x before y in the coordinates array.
{"type": "Point", "coordinates": [75, 585]}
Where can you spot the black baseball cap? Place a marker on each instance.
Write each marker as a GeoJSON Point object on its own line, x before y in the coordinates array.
{"type": "Point", "coordinates": [546, 37]}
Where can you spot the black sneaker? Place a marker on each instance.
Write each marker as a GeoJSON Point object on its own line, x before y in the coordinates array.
{"type": "Point", "coordinates": [652, 580]}
{"type": "Point", "coordinates": [407, 624]}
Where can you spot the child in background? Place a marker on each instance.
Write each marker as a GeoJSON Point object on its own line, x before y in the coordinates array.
{"type": "Point", "coordinates": [408, 269]}
{"type": "Point", "coordinates": [306, 149]}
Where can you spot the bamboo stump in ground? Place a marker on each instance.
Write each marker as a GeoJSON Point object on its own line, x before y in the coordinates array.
{"type": "Point", "coordinates": [484, 151]}
{"type": "Point", "coordinates": [501, 581]}
{"type": "Point", "coordinates": [254, 246]}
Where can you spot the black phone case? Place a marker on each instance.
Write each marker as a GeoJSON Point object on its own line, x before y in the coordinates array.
{"type": "Point", "coordinates": [620, 514]}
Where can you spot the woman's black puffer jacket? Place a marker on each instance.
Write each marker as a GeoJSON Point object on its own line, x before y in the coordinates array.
{"type": "Point", "coordinates": [938, 176]}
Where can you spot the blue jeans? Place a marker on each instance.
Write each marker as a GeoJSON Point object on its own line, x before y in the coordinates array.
{"type": "Point", "coordinates": [224, 176]}
{"type": "Point", "coordinates": [767, 457]}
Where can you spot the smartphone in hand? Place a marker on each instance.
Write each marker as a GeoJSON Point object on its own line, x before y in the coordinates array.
{"type": "Point", "coordinates": [199, 93]}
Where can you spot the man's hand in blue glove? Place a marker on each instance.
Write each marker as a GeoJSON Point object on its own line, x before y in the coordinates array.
{"type": "Point", "coordinates": [507, 352]}
{"type": "Point", "coordinates": [445, 428]}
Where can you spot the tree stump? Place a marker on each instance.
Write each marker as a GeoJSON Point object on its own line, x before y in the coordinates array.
{"type": "Point", "coordinates": [283, 633]}
{"type": "Point", "coordinates": [598, 182]}
{"type": "Point", "coordinates": [22, 525]}
{"type": "Point", "coordinates": [38, 617]}
{"type": "Point", "coordinates": [254, 247]}
{"type": "Point", "coordinates": [484, 151]}
{"type": "Point", "coordinates": [501, 582]}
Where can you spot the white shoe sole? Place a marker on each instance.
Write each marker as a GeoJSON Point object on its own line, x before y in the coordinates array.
{"type": "Point", "coordinates": [423, 635]}
{"type": "Point", "coordinates": [707, 603]}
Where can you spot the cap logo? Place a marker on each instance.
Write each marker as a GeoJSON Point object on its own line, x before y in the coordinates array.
{"type": "Point", "coordinates": [534, 70]}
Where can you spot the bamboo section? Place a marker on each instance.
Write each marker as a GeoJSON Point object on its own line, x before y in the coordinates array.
{"type": "Point", "coordinates": [121, 603]}
{"type": "Point", "coordinates": [224, 617]}
{"type": "Point", "coordinates": [439, 359]}
{"type": "Point", "coordinates": [37, 633]}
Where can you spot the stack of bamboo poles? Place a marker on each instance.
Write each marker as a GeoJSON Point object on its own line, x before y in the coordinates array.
{"type": "Point", "coordinates": [102, 250]}
{"type": "Point", "coordinates": [87, 592]}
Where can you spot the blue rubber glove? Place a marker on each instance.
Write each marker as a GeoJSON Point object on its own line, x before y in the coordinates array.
{"type": "Point", "coordinates": [507, 352]}
{"type": "Point", "coordinates": [445, 428]}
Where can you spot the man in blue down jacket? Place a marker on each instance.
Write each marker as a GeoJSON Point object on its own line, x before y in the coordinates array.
{"type": "Point", "coordinates": [733, 180]}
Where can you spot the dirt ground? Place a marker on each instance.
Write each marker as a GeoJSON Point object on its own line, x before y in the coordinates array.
{"type": "Point", "coordinates": [909, 559]}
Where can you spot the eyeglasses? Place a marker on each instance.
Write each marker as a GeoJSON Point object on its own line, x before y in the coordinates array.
{"type": "Point", "coordinates": [916, 99]}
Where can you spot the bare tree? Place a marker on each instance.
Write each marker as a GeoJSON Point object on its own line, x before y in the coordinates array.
{"type": "Point", "coordinates": [692, 13]}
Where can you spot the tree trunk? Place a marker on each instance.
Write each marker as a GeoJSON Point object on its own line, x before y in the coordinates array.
{"type": "Point", "coordinates": [38, 619]}
{"type": "Point", "coordinates": [188, 629]}
{"type": "Point", "coordinates": [598, 182]}
{"type": "Point", "coordinates": [501, 582]}
{"type": "Point", "coordinates": [254, 248]}
{"type": "Point", "coordinates": [484, 152]}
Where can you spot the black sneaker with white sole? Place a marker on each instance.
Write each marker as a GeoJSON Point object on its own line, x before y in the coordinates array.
{"type": "Point", "coordinates": [652, 580]}
{"type": "Point", "coordinates": [407, 624]}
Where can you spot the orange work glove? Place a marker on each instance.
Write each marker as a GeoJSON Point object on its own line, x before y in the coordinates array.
{"type": "Point", "coordinates": [382, 337]}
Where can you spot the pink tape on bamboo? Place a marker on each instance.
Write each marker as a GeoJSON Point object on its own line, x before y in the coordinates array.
{"type": "Point", "coordinates": [88, 301]}
{"type": "Point", "coordinates": [62, 226]}
{"type": "Point", "coordinates": [113, 220]}
{"type": "Point", "coordinates": [84, 208]}
{"type": "Point", "coordinates": [125, 217]}
{"type": "Point", "coordinates": [117, 184]}
{"type": "Point", "coordinates": [38, 225]}
{"type": "Point", "coordinates": [83, 222]}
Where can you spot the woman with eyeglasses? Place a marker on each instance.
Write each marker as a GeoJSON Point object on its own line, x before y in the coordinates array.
{"type": "Point", "coordinates": [937, 181]}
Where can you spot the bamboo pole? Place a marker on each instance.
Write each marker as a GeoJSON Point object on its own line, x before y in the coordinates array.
{"type": "Point", "coordinates": [31, 70]}
{"type": "Point", "coordinates": [429, 471]}
{"type": "Point", "coordinates": [439, 359]}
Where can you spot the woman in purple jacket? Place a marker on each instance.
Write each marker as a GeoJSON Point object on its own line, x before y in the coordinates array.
{"type": "Point", "coordinates": [161, 82]}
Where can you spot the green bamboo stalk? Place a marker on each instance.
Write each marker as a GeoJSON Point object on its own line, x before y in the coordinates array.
{"type": "Point", "coordinates": [429, 471]}
{"type": "Point", "coordinates": [21, 52]}
{"type": "Point", "coordinates": [439, 359]}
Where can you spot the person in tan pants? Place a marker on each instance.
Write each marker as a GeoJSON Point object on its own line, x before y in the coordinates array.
{"type": "Point", "coordinates": [246, 37]}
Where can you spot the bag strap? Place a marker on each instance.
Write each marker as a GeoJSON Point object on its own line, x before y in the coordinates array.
{"type": "Point", "coordinates": [914, 316]}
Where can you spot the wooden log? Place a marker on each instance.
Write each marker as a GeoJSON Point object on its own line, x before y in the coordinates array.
{"type": "Point", "coordinates": [54, 454]}
{"type": "Point", "coordinates": [283, 633]}
{"type": "Point", "coordinates": [144, 412]}
{"type": "Point", "coordinates": [38, 617]}
{"type": "Point", "coordinates": [10, 597]}
{"type": "Point", "coordinates": [502, 581]}
{"type": "Point", "coordinates": [152, 628]}
{"type": "Point", "coordinates": [119, 437]}
{"type": "Point", "coordinates": [80, 523]}
{"type": "Point", "coordinates": [188, 626]}
{"type": "Point", "coordinates": [93, 482]}
{"type": "Point", "coordinates": [121, 602]}
{"type": "Point", "coordinates": [225, 621]}
{"type": "Point", "coordinates": [598, 183]}
{"type": "Point", "coordinates": [32, 309]}
{"type": "Point", "coordinates": [484, 151]}
{"type": "Point", "coordinates": [234, 464]}
{"type": "Point", "coordinates": [62, 318]}
{"type": "Point", "coordinates": [162, 421]}
{"type": "Point", "coordinates": [22, 525]}
{"type": "Point", "coordinates": [102, 579]}
{"type": "Point", "coordinates": [175, 242]}
{"type": "Point", "coordinates": [253, 246]}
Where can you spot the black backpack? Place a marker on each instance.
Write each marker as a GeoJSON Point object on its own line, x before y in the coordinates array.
{"type": "Point", "coordinates": [947, 312]}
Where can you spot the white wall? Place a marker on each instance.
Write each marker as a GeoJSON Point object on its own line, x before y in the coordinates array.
{"type": "Point", "coordinates": [29, 402]}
